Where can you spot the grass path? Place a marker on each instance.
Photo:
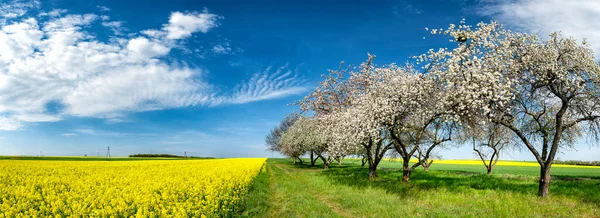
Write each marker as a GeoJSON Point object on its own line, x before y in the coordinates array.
{"type": "Point", "coordinates": [293, 191]}
{"type": "Point", "coordinates": [289, 190]}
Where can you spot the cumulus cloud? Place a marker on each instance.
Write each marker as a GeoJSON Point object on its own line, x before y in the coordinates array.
{"type": "Point", "coordinates": [16, 8]}
{"type": "Point", "coordinates": [183, 25]}
{"type": "Point", "coordinates": [573, 18]}
{"type": "Point", "coordinates": [143, 48]}
{"type": "Point", "coordinates": [54, 60]}
{"type": "Point", "coordinates": [53, 13]}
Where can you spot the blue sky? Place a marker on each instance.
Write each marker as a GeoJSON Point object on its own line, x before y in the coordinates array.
{"type": "Point", "coordinates": [212, 77]}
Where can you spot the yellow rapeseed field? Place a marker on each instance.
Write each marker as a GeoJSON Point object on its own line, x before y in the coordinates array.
{"type": "Point", "coordinates": [509, 163]}
{"type": "Point", "coordinates": [500, 163]}
{"type": "Point", "coordinates": [163, 188]}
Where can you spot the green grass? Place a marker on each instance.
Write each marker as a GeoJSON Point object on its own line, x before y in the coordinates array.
{"type": "Point", "coordinates": [256, 204]}
{"type": "Point", "coordinates": [288, 190]}
{"type": "Point", "coordinates": [512, 170]}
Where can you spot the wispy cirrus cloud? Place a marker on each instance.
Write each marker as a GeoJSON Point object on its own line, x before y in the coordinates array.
{"type": "Point", "coordinates": [572, 18]}
{"type": "Point", "coordinates": [267, 85]}
{"type": "Point", "coordinates": [105, 133]}
{"type": "Point", "coordinates": [95, 132]}
{"type": "Point", "coordinates": [54, 59]}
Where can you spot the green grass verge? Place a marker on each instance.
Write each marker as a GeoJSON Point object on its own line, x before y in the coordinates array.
{"type": "Point", "coordinates": [256, 202]}
{"type": "Point", "coordinates": [444, 191]}
{"type": "Point", "coordinates": [512, 170]}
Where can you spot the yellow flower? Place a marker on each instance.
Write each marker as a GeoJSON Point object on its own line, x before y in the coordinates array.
{"type": "Point", "coordinates": [174, 188]}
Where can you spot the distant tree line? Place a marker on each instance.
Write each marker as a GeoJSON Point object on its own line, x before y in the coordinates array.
{"type": "Point", "coordinates": [168, 156]}
{"type": "Point", "coordinates": [578, 162]}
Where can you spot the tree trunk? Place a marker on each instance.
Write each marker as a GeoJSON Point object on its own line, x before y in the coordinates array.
{"type": "Point", "coordinates": [294, 159]}
{"type": "Point", "coordinates": [340, 159]}
{"type": "Point", "coordinates": [489, 170]}
{"type": "Point", "coordinates": [301, 162]}
{"type": "Point", "coordinates": [406, 174]}
{"type": "Point", "coordinates": [372, 172]}
{"type": "Point", "coordinates": [544, 181]}
{"type": "Point", "coordinates": [426, 164]}
{"type": "Point", "coordinates": [406, 170]}
{"type": "Point", "coordinates": [312, 159]}
{"type": "Point", "coordinates": [325, 162]}
{"type": "Point", "coordinates": [363, 161]}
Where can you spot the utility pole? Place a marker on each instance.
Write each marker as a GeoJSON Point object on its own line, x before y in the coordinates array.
{"type": "Point", "coordinates": [108, 152]}
{"type": "Point", "coordinates": [185, 154]}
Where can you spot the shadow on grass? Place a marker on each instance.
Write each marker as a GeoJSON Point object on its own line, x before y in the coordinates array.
{"type": "Point", "coordinates": [585, 188]}
{"type": "Point", "coordinates": [576, 178]}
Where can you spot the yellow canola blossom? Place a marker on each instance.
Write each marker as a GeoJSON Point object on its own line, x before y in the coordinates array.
{"type": "Point", "coordinates": [500, 163]}
{"type": "Point", "coordinates": [510, 163]}
{"type": "Point", "coordinates": [163, 188]}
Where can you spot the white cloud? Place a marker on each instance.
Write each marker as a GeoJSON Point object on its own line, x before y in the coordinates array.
{"type": "Point", "coordinates": [49, 60]}
{"type": "Point", "coordinates": [69, 134]}
{"type": "Point", "coordinates": [221, 48]}
{"type": "Point", "coordinates": [115, 26]}
{"type": "Point", "coordinates": [183, 25]}
{"type": "Point", "coordinates": [57, 12]}
{"type": "Point", "coordinates": [94, 132]}
{"type": "Point", "coordinates": [102, 8]}
{"type": "Point", "coordinates": [267, 85]}
{"type": "Point", "coordinates": [37, 118]}
{"type": "Point", "coordinates": [16, 8]}
{"type": "Point", "coordinates": [136, 88]}
{"type": "Point", "coordinates": [10, 124]}
{"type": "Point", "coordinates": [54, 13]}
{"type": "Point", "coordinates": [143, 48]}
{"type": "Point", "coordinates": [573, 18]}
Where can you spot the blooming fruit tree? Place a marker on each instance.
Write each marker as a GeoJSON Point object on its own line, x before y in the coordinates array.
{"type": "Point", "coordinates": [547, 92]}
